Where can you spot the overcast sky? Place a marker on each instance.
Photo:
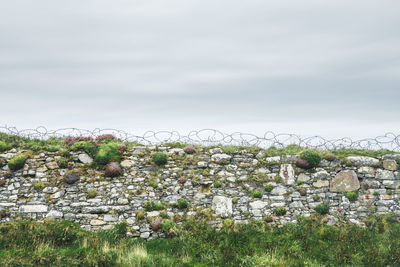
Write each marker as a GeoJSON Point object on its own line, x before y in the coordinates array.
{"type": "Point", "coordinates": [310, 67]}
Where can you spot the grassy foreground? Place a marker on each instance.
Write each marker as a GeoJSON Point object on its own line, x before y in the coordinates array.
{"type": "Point", "coordinates": [306, 243]}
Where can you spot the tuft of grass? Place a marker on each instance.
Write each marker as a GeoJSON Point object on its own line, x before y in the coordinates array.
{"type": "Point", "coordinates": [17, 162]}
{"type": "Point", "coordinates": [92, 193]}
{"type": "Point", "coordinates": [352, 196]}
{"type": "Point", "coordinates": [159, 158]}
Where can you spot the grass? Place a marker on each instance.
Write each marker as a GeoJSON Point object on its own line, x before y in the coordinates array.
{"type": "Point", "coordinates": [61, 146]}
{"type": "Point", "coordinates": [308, 242]}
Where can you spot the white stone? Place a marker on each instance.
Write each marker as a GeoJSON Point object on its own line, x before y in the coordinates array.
{"type": "Point", "coordinates": [33, 208]}
{"type": "Point", "coordinates": [153, 213]}
{"type": "Point", "coordinates": [258, 205]}
{"type": "Point", "coordinates": [303, 177]}
{"type": "Point", "coordinates": [278, 190]}
{"type": "Point", "coordinates": [55, 214]}
{"type": "Point", "coordinates": [287, 174]}
{"type": "Point", "coordinates": [222, 206]}
{"type": "Point", "coordinates": [85, 158]}
{"type": "Point", "coordinates": [110, 218]}
{"type": "Point", "coordinates": [219, 158]}
{"type": "Point", "coordinates": [363, 161]}
{"type": "Point", "coordinates": [127, 163]}
{"type": "Point", "coordinates": [273, 159]}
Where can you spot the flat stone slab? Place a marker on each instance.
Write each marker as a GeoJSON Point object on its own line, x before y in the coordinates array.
{"type": "Point", "coordinates": [33, 208]}
{"type": "Point", "coordinates": [345, 181]}
{"type": "Point", "coordinates": [363, 161]}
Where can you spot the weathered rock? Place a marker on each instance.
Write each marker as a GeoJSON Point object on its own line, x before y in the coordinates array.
{"type": "Point", "coordinates": [96, 222]}
{"type": "Point", "coordinates": [345, 181]}
{"type": "Point", "coordinates": [72, 176]}
{"type": "Point", "coordinates": [52, 165]}
{"type": "Point", "coordinates": [258, 205]}
{"type": "Point", "coordinates": [330, 157]}
{"type": "Point", "coordinates": [384, 175]}
{"type": "Point", "coordinates": [127, 163]}
{"type": "Point", "coordinates": [33, 208]}
{"type": "Point", "coordinates": [303, 177]}
{"type": "Point", "coordinates": [156, 223]}
{"type": "Point", "coordinates": [190, 149]}
{"type": "Point", "coordinates": [55, 214]}
{"type": "Point", "coordinates": [363, 161]}
{"type": "Point", "coordinates": [222, 206]}
{"type": "Point", "coordinates": [321, 183]}
{"type": "Point", "coordinates": [304, 164]}
{"type": "Point", "coordinates": [302, 191]}
{"type": "Point", "coordinates": [390, 165]}
{"type": "Point", "coordinates": [112, 169]}
{"type": "Point", "coordinates": [2, 182]}
{"type": "Point", "coordinates": [287, 174]}
{"type": "Point", "coordinates": [85, 158]}
{"type": "Point", "coordinates": [221, 158]}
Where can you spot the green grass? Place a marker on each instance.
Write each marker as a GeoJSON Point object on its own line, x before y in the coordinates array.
{"type": "Point", "coordinates": [57, 144]}
{"type": "Point", "coordinates": [305, 243]}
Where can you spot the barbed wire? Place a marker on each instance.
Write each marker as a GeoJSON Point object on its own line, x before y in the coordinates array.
{"type": "Point", "coordinates": [211, 137]}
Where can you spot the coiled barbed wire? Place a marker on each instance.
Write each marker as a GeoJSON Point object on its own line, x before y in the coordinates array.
{"type": "Point", "coordinates": [211, 137]}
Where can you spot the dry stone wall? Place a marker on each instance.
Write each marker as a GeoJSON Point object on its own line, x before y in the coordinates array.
{"type": "Point", "coordinates": [242, 185]}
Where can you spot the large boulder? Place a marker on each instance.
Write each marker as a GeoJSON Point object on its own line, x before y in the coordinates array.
{"type": "Point", "coordinates": [112, 169]}
{"type": "Point", "coordinates": [222, 206]}
{"type": "Point", "coordinates": [190, 149]}
{"type": "Point", "coordinates": [345, 181]}
{"type": "Point", "coordinates": [72, 176]}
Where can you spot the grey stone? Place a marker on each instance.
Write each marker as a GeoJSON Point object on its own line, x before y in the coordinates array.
{"type": "Point", "coordinates": [321, 183]}
{"type": "Point", "coordinates": [363, 161]}
{"type": "Point", "coordinates": [85, 158]}
{"type": "Point", "coordinates": [55, 214]}
{"type": "Point", "coordinates": [345, 181]}
{"type": "Point", "coordinates": [33, 208]}
{"type": "Point", "coordinates": [222, 206]}
{"type": "Point", "coordinates": [390, 165]}
{"type": "Point", "coordinates": [258, 204]}
{"type": "Point", "coordinates": [221, 158]}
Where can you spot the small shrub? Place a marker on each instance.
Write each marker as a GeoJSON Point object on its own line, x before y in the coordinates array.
{"type": "Point", "coordinates": [280, 211]}
{"type": "Point", "coordinates": [92, 193]}
{"type": "Point", "coordinates": [235, 200]}
{"type": "Point", "coordinates": [389, 192]}
{"type": "Point", "coordinates": [39, 186]}
{"type": "Point", "coordinates": [376, 193]}
{"type": "Point", "coordinates": [62, 162]}
{"type": "Point", "coordinates": [352, 196]}
{"type": "Point", "coordinates": [311, 157]}
{"type": "Point", "coordinates": [322, 208]}
{"type": "Point", "coordinates": [299, 182]}
{"type": "Point", "coordinates": [316, 198]}
{"type": "Point", "coordinates": [268, 188]}
{"type": "Point", "coordinates": [217, 184]}
{"type": "Point", "coordinates": [64, 153]}
{"type": "Point", "coordinates": [17, 162]}
{"type": "Point", "coordinates": [167, 225]}
{"type": "Point", "coordinates": [164, 214]}
{"type": "Point", "coordinates": [257, 194]}
{"type": "Point", "coordinates": [107, 153]}
{"type": "Point", "coordinates": [182, 203]}
{"type": "Point", "coordinates": [150, 206]}
{"type": "Point", "coordinates": [140, 214]}
{"type": "Point", "coordinates": [159, 158]}
{"type": "Point", "coordinates": [3, 146]}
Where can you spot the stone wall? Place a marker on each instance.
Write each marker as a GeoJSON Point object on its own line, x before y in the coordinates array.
{"type": "Point", "coordinates": [214, 184]}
